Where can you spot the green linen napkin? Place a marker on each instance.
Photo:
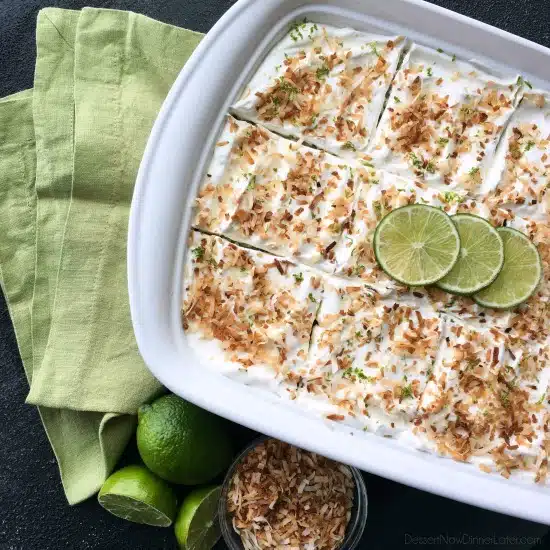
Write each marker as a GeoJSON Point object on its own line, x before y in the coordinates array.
{"type": "Point", "coordinates": [65, 189]}
{"type": "Point", "coordinates": [124, 66]}
{"type": "Point", "coordinates": [53, 113]}
{"type": "Point", "coordinates": [86, 445]}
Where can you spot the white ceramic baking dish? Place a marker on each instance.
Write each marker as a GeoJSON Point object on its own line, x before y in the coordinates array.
{"type": "Point", "coordinates": [174, 161]}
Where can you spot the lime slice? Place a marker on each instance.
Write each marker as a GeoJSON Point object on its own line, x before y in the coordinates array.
{"type": "Point", "coordinates": [481, 256]}
{"type": "Point", "coordinates": [520, 274]}
{"type": "Point", "coordinates": [416, 244]}
{"type": "Point", "coordinates": [136, 494]}
{"type": "Point", "coordinates": [197, 526]}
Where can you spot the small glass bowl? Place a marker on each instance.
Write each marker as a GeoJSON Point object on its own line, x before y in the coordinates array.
{"type": "Point", "coordinates": [356, 523]}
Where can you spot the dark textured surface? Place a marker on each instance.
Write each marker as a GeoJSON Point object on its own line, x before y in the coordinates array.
{"type": "Point", "coordinates": [33, 511]}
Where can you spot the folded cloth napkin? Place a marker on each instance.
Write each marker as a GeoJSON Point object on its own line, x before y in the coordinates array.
{"type": "Point", "coordinates": [69, 153]}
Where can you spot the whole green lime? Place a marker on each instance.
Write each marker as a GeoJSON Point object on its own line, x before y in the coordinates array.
{"type": "Point", "coordinates": [181, 442]}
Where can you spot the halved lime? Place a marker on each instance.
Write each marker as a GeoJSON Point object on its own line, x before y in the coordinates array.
{"type": "Point", "coordinates": [416, 244]}
{"type": "Point", "coordinates": [197, 526]}
{"type": "Point", "coordinates": [520, 274]}
{"type": "Point", "coordinates": [481, 256]}
{"type": "Point", "coordinates": [136, 494]}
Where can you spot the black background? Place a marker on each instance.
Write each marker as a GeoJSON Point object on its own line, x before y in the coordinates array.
{"type": "Point", "coordinates": [33, 510]}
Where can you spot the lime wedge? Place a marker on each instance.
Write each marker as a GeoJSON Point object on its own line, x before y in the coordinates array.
{"type": "Point", "coordinates": [416, 244]}
{"type": "Point", "coordinates": [481, 256]}
{"type": "Point", "coordinates": [136, 494]}
{"type": "Point", "coordinates": [520, 274]}
{"type": "Point", "coordinates": [197, 526]}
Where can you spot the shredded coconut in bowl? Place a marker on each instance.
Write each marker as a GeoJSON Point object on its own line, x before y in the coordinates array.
{"type": "Point", "coordinates": [281, 496]}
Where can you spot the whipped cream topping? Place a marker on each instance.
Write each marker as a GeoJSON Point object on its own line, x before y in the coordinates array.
{"type": "Point", "coordinates": [240, 148]}
{"type": "Point", "coordinates": [287, 198]}
{"type": "Point", "coordinates": [375, 351]}
{"type": "Point", "coordinates": [324, 84]}
{"type": "Point", "coordinates": [302, 310]}
{"type": "Point", "coordinates": [521, 175]}
{"type": "Point", "coordinates": [484, 403]}
{"type": "Point", "coordinates": [260, 308]}
{"type": "Point", "coordinates": [443, 120]}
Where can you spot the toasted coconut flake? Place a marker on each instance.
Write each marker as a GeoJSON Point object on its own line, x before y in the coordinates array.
{"type": "Point", "coordinates": [284, 497]}
{"type": "Point", "coordinates": [248, 302]}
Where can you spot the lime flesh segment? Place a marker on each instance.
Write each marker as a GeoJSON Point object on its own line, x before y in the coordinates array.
{"type": "Point", "coordinates": [520, 274]}
{"type": "Point", "coordinates": [135, 494]}
{"type": "Point", "coordinates": [197, 526]}
{"type": "Point", "coordinates": [416, 244]}
{"type": "Point", "coordinates": [481, 256]}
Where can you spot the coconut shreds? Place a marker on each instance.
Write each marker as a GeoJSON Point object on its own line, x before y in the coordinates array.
{"type": "Point", "coordinates": [372, 351]}
{"type": "Point", "coordinates": [323, 84]}
{"type": "Point", "coordinates": [443, 120]}
{"type": "Point", "coordinates": [342, 338]}
{"type": "Point", "coordinates": [525, 153]}
{"type": "Point", "coordinates": [240, 147]}
{"type": "Point", "coordinates": [276, 195]}
{"type": "Point", "coordinates": [259, 308]}
{"type": "Point", "coordinates": [297, 204]}
{"type": "Point", "coordinates": [281, 496]}
{"type": "Point", "coordinates": [478, 402]}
